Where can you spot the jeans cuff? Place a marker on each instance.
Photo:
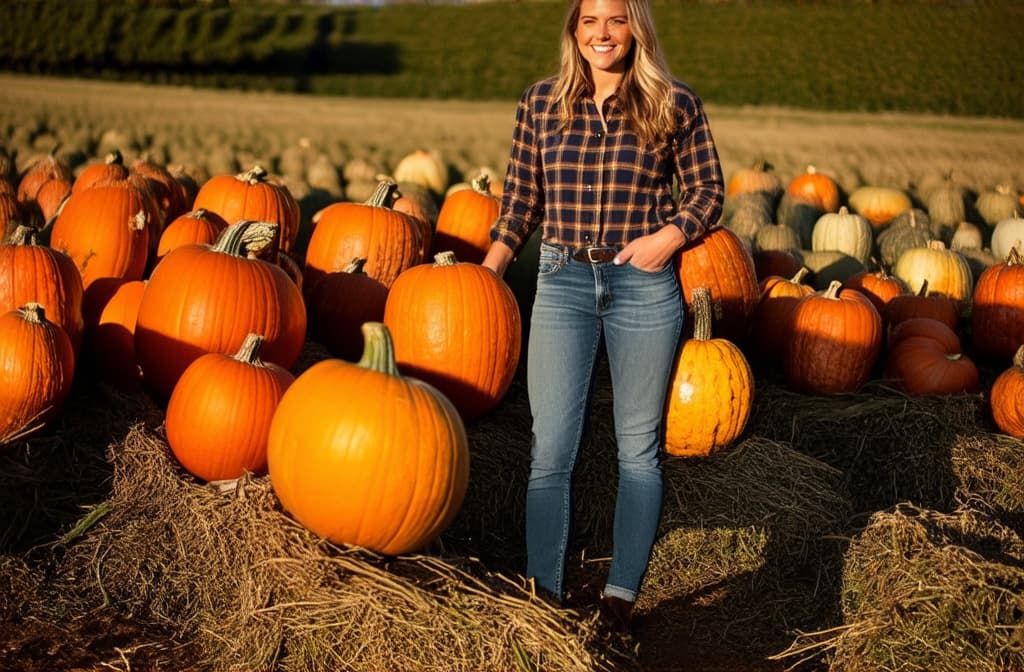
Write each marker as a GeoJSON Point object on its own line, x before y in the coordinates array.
{"type": "Point", "coordinates": [621, 593]}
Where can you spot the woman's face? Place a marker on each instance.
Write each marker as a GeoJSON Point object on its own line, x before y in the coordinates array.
{"type": "Point", "coordinates": [603, 35]}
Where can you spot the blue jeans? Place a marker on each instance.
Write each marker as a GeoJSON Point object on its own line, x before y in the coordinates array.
{"type": "Point", "coordinates": [641, 316]}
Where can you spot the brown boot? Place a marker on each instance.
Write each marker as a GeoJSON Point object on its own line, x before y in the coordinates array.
{"type": "Point", "coordinates": [617, 613]}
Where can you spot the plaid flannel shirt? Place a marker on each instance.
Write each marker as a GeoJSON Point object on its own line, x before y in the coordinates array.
{"type": "Point", "coordinates": [591, 185]}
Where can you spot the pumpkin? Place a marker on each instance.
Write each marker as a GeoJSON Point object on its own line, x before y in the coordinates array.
{"type": "Point", "coordinates": [252, 195]}
{"type": "Point", "coordinates": [747, 213]}
{"type": "Point", "coordinates": [798, 216]}
{"type": "Point", "coordinates": [1006, 398]}
{"type": "Point", "coordinates": [711, 390]}
{"type": "Point", "coordinates": [41, 170]}
{"type": "Point", "coordinates": [922, 304]}
{"type": "Point", "coordinates": [362, 455]}
{"type": "Point", "coordinates": [464, 222]}
{"type": "Point", "coordinates": [879, 205]}
{"type": "Point", "coordinates": [51, 197]}
{"type": "Point", "coordinates": [721, 262]}
{"type": "Point", "coordinates": [387, 239]}
{"type": "Point", "coordinates": [784, 263]}
{"type": "Point", "coordinates": [758, 177]}
{"type": "Point", "coordinates": [996, 204]}
{"type": "Point", "coordinates": [771, 322]}
{"type": "Point", "coordinates": [815, 189]}
{"type": "Point", "coordinates": [946, 271]}
{"type": "Point", "coordinates": [1005, 234]}
{"type": "Point", "coordinates": [204, 298]}
{"type": "Point", "coordinates": [921, 365]}
{"type": "Point", "coordinates": [924, 327]}
{"type": "Point", "coordinates": [997, 313]}
{"type": "Point", "coordinates": [37, 364]}
{"type": "Point", "coordinates": [947, 206]}
{"type": "Point", "coordinates": [171, 195]}
{"type": "Point", "coordinates": [35, 273]}
{"type": "Point", "coordinates": [456, 325]}
{"type": "Point", "coordinates": [835, 342]}
{"type": "Point", "coordinates": [105, 230]}
{"type": "Point", "coordinates": [425, 168]}
{"type": "Point", "coordinates": [843, 232]}
{"type": "Point", "coordinates": [110, 335]}
{"type": "Point", "coordinates": [423, 211]}
{"type": "Point", "coordinates": [198, 227]}
{"type": "Point", "coordinates": [830, 265]}
{"type": "Point", "coordinates": [13, 213]}
{"type": "Point", "coordinates": [879, 286]}
{"type": "Point", "coordinates": [219, 414]}
{"type": "Point", "coordinates": [339, 305]}
{"type": "Point", "coordinates": [966, 236]}
{"type": "Point", "coordinates": [776, 237]}
{"type": "Point", "coordinates": [111, 169]}
{"type": "Point", "coordinates": [913, 229]}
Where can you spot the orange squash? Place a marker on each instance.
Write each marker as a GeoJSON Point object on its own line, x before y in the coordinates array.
{"type": "Point", "coordinates": [837, 337]}
{"type": "Point", "coordinates": [252, 195]}
{"type": "Point", "coordinates": [771, 324]}
{"type": "Point", "coordinates": [997, 316]}
{"type": "Point", "coordinates": [204, 298]}
{"type": "Point", "coordinates": [362, 455]}
{"type": "Point", "coordinates": [110, 336]}
{"type": "Point", "coordinates": [219, 414]}
{"type": "Point", "coordinates": [339, 305]}
{"type": "Point", "coordinates": [922, 304]}
{"type": "Point", "coordinates": [1006, 398]}
{"type": "Point", "coordinates": [711, 390]}
{"type": "Point", "coordinates": [111, 169]}
{"type": "Point", "coordinates": [456, 325]}
{"type": "Point", "coordinates": [198, 227]}
{"type": "Point", "coordinates": [878, 286]}
{"type": "Point", "coordinates": [37, 365]}
{"type": "Point", "coordinates": [464, 222]}
{"type": "Point", "coordinates": [922, 365]}
{"type": "Point", "coordinates": [815, 189]}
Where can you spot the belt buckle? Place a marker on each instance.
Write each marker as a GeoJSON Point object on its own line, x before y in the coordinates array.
{"type": "Point", "coordinates": [590, 254]}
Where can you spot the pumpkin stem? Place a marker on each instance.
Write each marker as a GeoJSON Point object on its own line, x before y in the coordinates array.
{"type": "Point", "coordinates": [255, 174]}
{"type": "Point", "coordinates": [799, 276]}
{"type": "Point", "coordinates": [482, 184]}
{"type": "Point", "coordinates": [24, 235]}
{"type": "Point", "coordinates": [356, 266]}
{"type": "Point", "coordinates": [1018, 359]}
{"type": "Point", "coordinates": [832, 292]}
{"type": "Point", "coordinates": [1015, 257]}
{"type": "Point", "coordinates": [249, 352]}
{"type": "Point", "coordinates": [378, 349]}
{"type": "Point", "coordinates": [115, 158]}
{"type": "Point", "coordinates": [446, 258]}
{"type": "Point", "coordinates": [843, 211]}
{"type": "Point", "coordinates": [246, 237]}
{"type": "Point", "coordinates": [924, 288]}
{"type": "Point", "coordinates": [384, 195]}
{"type": "Point", "coordinates": [700, 299]}
{"type": "Point", "coordinates": [33, 312]}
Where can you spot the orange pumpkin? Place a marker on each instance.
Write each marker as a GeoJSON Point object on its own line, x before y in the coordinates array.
{"type": "Point", "coordinates": [837, 337]}
{"type": "Point", "coordinates": [456, 325]}
{"type": "Point", "coordinates": [208, 298]}
{"type": "Point", "coordinates": [33, 273]}
{"type": "Point", "coordinates": [464, 222]}
{"type": "Point", "coordinates": [171, 195]}
{"type": "Point", "coordinates": [711, 390]}
{"type": "Point", "coordinates": [815, 189]}
{"type": "Point", "coordinates": [771, 324]}
{"type": "Point", "coordinates": [721, 262]}
{"type": "Point", "coordinates": [198, 227]}
{"type": "Point", "coordinates": [40, 171]}
{"type": "Point", "coordinates": [924, 327]}
{"type": "Point", "coordinates": [922, 304]}
{"type": "Point", "coordinates": [879, 204]}
{"type": "Point", "coordinates": [997, 315]}
{"type": "Point", "coordinates": [252, 195]}
{"type": "Point", "coordinates": [758, 177]}
{"type": "Point", "coordinates": [922, 365]}
{"type": "Point", "coordinates": [37, 365]}
{"type": "Point", "coordinates": [51, 196]}
{"type": "Point", "coordinates": [387, 239]}
{"type": "Point", "coordinates": [1006, 398]}
{"type": "Point", "coordinates": [878, 286]}
{"type": "Point", "coordinates": [364, 456]}
{"type": "Point", "coordinates": [110, 337]}
{"type": "Point", "coordinates": [105, 230]}
{"type": "Point", "coordinates": [219, 414]}
{"type": "Point", "coordinates": [111, 169]}
{"type": "Point", "coordinates": [339, 305]}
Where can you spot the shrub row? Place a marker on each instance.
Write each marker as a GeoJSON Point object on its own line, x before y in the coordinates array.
{"type": "Point", "coordinates": [920, 56]}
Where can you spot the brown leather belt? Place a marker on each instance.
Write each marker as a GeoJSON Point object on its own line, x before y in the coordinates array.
{"type": "Point", "coordinates": [595, 255]}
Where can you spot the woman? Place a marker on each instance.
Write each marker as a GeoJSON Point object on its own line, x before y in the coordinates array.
{"type": "Point", "coordinates": [594, 153]}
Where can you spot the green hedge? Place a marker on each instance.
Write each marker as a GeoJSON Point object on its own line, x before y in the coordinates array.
{"type": "Point", "coordinates": [949, 57]}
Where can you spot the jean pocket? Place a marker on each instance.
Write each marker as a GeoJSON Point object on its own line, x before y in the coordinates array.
{"type": "Point", "coordinates": [551, 260]}
{"type": "Point", "coordinates": [656, 272]}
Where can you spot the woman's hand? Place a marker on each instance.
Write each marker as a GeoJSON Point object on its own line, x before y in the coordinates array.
{"type": "Point", "coordinates": [652, 252]}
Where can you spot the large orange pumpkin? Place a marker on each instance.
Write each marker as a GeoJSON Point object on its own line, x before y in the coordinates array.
{"type": "Point", "coordinates": [771, 324]}
{"type": "Point", "coordinates": [37, 365]}
{"type": "Point", "coordinates": [111, 169]}
{"type": "Point", "coordinates": [204, 298]}
{"type": "Point", "coordinates": [219, 414]}
{"type": "Point", "coordinates": [364, 456]}
{"type": "Point", "coordinates": [837, 337]}
{"type": "Point", "coordinates": [464, 222]}
{"type": "Point", "coordinates": [997, 316]}
{"type": "Point", "coordinates": [105, 230]}
{"type": "Point", "coordinates": [339, 305]}
{"type": "Point", "coordinates": [33, 273]}
{"type": "Point", "coordinates": [110, 335]}
{"type": "Point", "coordinates": [252, 195]}
{"type": "Point", "coordinates": [720, 261]}
{"type": "Point", "coordinates": [389, 240]}
{"type": "Point", "coordinates": [42, 170]}
{"type": "Point", "coordinates": [456, 325]}
{"type": "Point", "coordinates": [922, 365]}
{"type": "Point", "coordinates": [711, 390]}
{"type": "Point", "coordinates": [198, 227]}
{"type": "Point", "coordinates": [922, 304]}
{"type": "Point", "coordinates": [1006, 397]}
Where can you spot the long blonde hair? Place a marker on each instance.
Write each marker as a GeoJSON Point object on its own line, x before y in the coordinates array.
{"type": "Point", "coordinates": [645, 92]}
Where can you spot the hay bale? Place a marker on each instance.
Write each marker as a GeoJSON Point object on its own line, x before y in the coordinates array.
{"type": "Point", "coordinates": [254, 590]}
{"type": "Point", "coordinates": [988, 470]}
{"type": "Point", "coordinates": [924, 590]}
{"type": "Point", "coordinates": [891, 447]}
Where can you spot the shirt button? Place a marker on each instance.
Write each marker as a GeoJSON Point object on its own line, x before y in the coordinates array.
{"type": "Point", "coordinates": [599, 134]}
{"type": "Point", "coordinates": [589, 187]}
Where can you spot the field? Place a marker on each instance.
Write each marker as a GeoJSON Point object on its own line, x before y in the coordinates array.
{"type": "Point", "coordinates": [762, 548]}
